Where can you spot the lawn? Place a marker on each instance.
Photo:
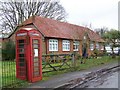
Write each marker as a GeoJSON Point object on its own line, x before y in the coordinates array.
{"type": "Point", "coordinates": [9, 72]}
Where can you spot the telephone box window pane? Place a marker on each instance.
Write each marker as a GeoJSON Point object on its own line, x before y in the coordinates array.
{"type": "Point", "coordinates": [21, 41]}
{"type": "Point", "coordinates": [21, 55]}
{"type": "Point", "coordinates": [20, 69]}
{"type": "Point", "coordinates": [35, 45]}
{"type": "Point", "coordinates": [35, 41]}
{"type": "Point", "coordinates": [21, 45]}
{"type": "Point", "coordinates": [36, 64]}
{"type": "Point", "coordinates": [35, 59]}
{"type": "Point", "coordinates": [36, 73]}
{"type": "Point", "coordinates": [21, 59]}
{"type": "Point", "coordinates": [21, 73]}
{"type": "Point", "coordinates": [21, 50]}
{"type": "Point", "coordinates": [21, 64]}
{"type": "Point", "coordinates": [35, 52]}
{"type": "Point", "coordinates": [36, 69]}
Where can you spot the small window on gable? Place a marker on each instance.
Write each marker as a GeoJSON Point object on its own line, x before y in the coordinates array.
{"type": "Point", "coordinates": [84, 37]}
{"type": "Point", "coordinates": [53, 45]}
{"type": "Point", "coordinates": [75, 45]}
{"type": "Point", "coordinates": [66, 45]}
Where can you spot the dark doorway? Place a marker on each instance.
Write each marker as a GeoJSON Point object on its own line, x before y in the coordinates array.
{"type": "Point", "coordinates": [84, 50]}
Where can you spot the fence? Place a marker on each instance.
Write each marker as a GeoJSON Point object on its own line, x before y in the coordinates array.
{"type": "Point", "coordinates": [9, 75]}
{"type": "Point", "coordinates": [57, 62]}
{"type": "Point", "coordinates": [50, 63]}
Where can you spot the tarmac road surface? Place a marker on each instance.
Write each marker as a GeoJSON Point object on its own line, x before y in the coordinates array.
{"type": "Point", "coordinates": [58, 80]}
{"type": "Point", "coordinates": [109, 80]}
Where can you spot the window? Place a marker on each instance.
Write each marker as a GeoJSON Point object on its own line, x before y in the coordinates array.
{"type": "Point", "coordinates": [53, 45]}
{"type": "Point", "coordinates": [75, 45]}
{"type": "Point", "coordinates": [102, 47]}
{"type": "Point", "coordinates": [84, 37]}
{"type": "Point", "coordinates": [97, 46]}
{"type": "Point", "coordinates": [91, 46]}
{"type": "Point", "coordinates": [66, 45]}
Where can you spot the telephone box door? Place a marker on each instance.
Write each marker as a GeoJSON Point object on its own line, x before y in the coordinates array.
{"type": "Point", "coordinates": [21, 59]}
{"type": "Point", "coordinates": [36, 60]}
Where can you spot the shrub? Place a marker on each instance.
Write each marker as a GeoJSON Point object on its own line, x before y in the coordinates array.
{"type": "Point", "coordinates": [8, 52]}
{"type": "Point", "coordinates": [95, 52]}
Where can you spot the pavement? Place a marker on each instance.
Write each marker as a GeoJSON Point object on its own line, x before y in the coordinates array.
{"type": "Point", "coordinates": [61, 79]}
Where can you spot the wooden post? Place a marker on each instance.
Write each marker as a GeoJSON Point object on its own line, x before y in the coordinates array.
{"type": "Point", "coordinates": [73, 59]}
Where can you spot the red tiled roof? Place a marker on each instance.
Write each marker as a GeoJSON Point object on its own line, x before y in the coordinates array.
{"type": "Point", "coordinates": [56, 29]}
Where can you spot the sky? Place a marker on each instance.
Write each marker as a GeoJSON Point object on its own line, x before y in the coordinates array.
{"type": "Point", "coordinates": [94, 13]}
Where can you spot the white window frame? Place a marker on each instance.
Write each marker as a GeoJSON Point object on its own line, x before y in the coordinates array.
{"type": "Point", "coordinates": [53, 45]}
{"type": "Point", "coordinates": [65, 45]}
{"type": "Point", "coordinates": [97, 46]}
{"type": "Point", "coordinates": [91, 46]}
{"type": "Point", "coordinates": [76, 45]}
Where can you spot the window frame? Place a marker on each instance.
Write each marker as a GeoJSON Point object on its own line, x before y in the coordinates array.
{"type": "Point", "coordinates": [76, 44]}
{"type": "Point", "coordinates": [53, 44]}
{"type": "Point", "coordinates": [91, 46]}
{"type": "Point", "coordinates": [85, 37]}
{"type": "Point", "coordinates": [97, 46]}
{"type": "Point", "coordinates": [102, 47]}
{"type": "Point", "coordinates": [65, 45]}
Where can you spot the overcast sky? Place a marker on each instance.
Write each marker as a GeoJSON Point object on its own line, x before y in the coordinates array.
{"type": "Point", "coordinates": [98, 13]}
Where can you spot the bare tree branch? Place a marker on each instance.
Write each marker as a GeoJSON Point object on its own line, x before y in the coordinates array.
{"type": "Point", "coordinates": [14, 13]}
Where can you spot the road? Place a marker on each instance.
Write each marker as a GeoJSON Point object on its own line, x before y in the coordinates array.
{"type": "Point", "coordinates": [109, 80]}
{"type": "Point", "coordinates": [103, 78]}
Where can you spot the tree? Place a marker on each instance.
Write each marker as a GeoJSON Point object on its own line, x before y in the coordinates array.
{"type": "Point", "coordinates": [14, 13]}
{"type": "Point", "coordinates": [112, 37]}
{"type": "Point", "coordinates": [101, 31]}
{"type": "Point", "coordinates": [8, 52]}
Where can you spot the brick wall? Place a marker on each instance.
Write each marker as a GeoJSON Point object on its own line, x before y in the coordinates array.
{"type": "Point", "coordinates": [45, 46]}
{"type": "Point", "coordinates": [60, 51]}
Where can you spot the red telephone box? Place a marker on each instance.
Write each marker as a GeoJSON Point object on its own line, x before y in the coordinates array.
{"type": "Point", "coordinates": [28, 55]}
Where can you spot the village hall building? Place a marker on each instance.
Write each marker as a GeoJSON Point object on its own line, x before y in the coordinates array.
{"type": "Point", "coordinates": [62, 37]}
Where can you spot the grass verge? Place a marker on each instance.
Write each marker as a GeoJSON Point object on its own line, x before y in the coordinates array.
{"type": "Point", "coordinates": [8, 74]}
{"type": "Point", "coordinates": [93, 62]}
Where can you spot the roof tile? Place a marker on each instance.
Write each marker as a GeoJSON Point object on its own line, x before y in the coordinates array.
{"type": "Point", "coordinates": [56, 29]}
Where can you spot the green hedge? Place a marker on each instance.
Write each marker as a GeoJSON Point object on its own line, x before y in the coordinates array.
{"type": "Point", "coordinates": [8, 52]}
